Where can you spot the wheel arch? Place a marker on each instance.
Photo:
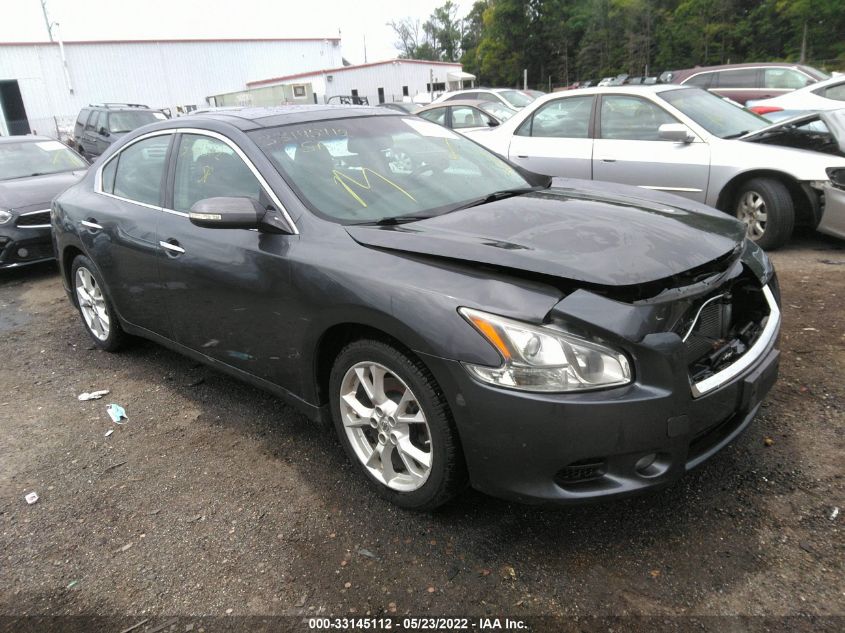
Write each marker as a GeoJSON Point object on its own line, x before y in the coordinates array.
{"type": "Point", "coordinates": [335, 338]}
{"type": "Point", "coordinates": [806, 201]}
{"type": "Point", "coordinates": [70, 253]}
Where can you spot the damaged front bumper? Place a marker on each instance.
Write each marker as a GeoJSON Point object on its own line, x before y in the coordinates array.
{"type": "Point", "coordinates": [573, 447]}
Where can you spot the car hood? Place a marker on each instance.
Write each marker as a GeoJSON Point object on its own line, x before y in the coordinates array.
{"type": "Point", "coordinates": [21, 193]}
{"type": "Point", "coordinates": [786, 132]}
{"type": "Point", "coordinates": [603, 234]}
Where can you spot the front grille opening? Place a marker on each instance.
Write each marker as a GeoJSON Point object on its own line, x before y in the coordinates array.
{"type": "Point", "coordinates": [34, 219]}
{"type": "Point", "coordinates": [581, 471]}
{"type": "Point", "coordinates": [722, 327]}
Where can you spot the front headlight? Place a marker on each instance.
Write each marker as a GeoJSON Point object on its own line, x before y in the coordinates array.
{"type": "Point", "coordinates": [542, 358]}
{"type": "Point", "coordinates": [5, 216]}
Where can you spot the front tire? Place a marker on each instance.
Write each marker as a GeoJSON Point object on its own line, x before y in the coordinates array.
{"type": "Point", "coordinates": [395, 425]}
{"type": "Point", "coordinates": [766, 208]}
{"type": "Point", "coordinates": [94, 306]}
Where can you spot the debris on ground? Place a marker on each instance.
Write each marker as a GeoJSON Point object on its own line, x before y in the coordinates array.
{"type": "Point", "coordinates": [31, 498]}
{"type": "Point", "coordinates": [116, 413]}
{"type": "Point", "coordinates": [768, 441]}
{"type": "Point", "coordinates": [365, 552]}
{"type": "Point", "coordinates": [508, 573]}
{"type": "Point", "coordinates": [834, 513]}
{"type": "Point", "coordinates": [112, 467]}
{"type": "Point", "coordinates": [72, 584]}
{"type": "Point", "coordinates": [94, 395]}
{"type": "Point", "coordinates": [109, 432]}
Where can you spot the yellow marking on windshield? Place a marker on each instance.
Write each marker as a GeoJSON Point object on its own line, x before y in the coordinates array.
{"type": "Point", "coordinates": [207, 170]}
{"type": "Point", "coordinates": [453, 155]}
{"type": "Point", "coordinates": [341, 179]}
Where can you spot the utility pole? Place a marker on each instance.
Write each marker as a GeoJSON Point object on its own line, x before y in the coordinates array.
{"type": "Point", "coordinates": [365, 49]}
{"type": "Point", "coordinates": [525, 79]}
{"type": "Point", "coordinates": [804, 44]}
{"type": "Point", "coordinates": [47, 19]}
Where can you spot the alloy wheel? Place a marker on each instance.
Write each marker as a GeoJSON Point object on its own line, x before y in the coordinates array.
{"type": "Point", "coordinates": [92, 304]}
{"type": "Point", "coordinates": [386, 426]}
{"type": "Point", "coordinates": [751, 210]}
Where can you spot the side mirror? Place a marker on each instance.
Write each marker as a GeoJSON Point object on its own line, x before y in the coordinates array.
{"type": "Point", "coordinates": [227, 213]}
{"type": "Point", "coordinates": [675, 132]}
{"type": "Point", "coordinates": [104, 131]}
{"type": "Point", "coordinates": [492, 123]}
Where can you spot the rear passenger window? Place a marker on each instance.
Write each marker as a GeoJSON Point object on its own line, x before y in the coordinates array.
{"type": "Point", "coordinates": [701, 80]}
{"type": "Point", "coordinates": [437, 115]}
{"type": "Point", "coordinates": [140, 170]}
{"type": "Point", "coordinates": [740, 78]}
{"type": "Point", "coordinates": [562, 118]}
{"type": "Point", "coordinates": [83, 117]}
{"type": "Point", "coordinates": [92, 120]}
{"type": "Point", "coordinates": [208, 168]}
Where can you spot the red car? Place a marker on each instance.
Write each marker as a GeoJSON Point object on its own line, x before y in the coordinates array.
{"type": "Point", "coordinates": [742, 82]}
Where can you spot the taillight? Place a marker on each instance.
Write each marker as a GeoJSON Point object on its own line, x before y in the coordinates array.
{"type": "Point", "coordinates": [763, 110]}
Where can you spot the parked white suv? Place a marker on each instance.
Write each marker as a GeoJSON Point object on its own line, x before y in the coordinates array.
{"type": "Point", "coordinates": [512, 98]}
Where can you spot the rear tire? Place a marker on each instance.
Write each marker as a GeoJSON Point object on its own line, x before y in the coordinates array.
{"type": "Point", "coordinates": [94, 307]}
{"type": "Point", "coordinates": [766, 208]}
{"type": "Point", "coordinates": [402, 438]}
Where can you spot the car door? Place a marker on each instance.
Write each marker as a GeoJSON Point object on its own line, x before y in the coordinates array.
{"type": "Point", "coordinates": [628, 149]}
{"type": "Point", "coordinates": [119, 229]}
{"type": "Point", "coordinates": [556, 139]}
{"type": "Point", "coordinates": [225, 288]}
{"type": "Point", "coordinates": [101, 134]}
{"type": "Point", "coordinates": [89, 141]}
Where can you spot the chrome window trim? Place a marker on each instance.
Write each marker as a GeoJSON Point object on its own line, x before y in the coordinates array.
{"type": "Point", "coordinates": [98, 176]}
{"type": "Point", "coordinates": [661, 188]}
{"type": "Point", "coordinates": [33, 226]}
{"type": "Point", "coordinates": [750, 357]}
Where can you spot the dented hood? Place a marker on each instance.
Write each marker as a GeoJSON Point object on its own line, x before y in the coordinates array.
{"type": "Point", "coordinates": [590, 233]}
{"type": "Point", "coordinates": [818, 131]}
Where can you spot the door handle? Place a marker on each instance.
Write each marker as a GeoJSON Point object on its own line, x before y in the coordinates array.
{"type": "Point", "coordinates": [91, 223]}
{"type": "Point", "coordinates": [522, 155]}
{"type": "Point", "coordinates": [172, 246]}
{"type": "Point", "coordinates": [608, 160]}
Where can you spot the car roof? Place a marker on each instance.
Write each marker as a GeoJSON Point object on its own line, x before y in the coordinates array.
{"type": "Point", "coordinates": [252, 118]}
{"type": "Point", "coordinates": [700, 69]}
{"type": "Point", "coordinates": [459, 102]}
{"type": "Point", "coordinates": [29, 138]}
{"type": "Point", "coordinates": [633, 89]}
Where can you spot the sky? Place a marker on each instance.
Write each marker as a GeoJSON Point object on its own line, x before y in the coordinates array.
{"type": "Point", "coordinates": [23, 20]}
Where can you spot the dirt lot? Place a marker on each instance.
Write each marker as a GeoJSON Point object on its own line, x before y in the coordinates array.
{"type": "Point", "coordinates": [215, 498]}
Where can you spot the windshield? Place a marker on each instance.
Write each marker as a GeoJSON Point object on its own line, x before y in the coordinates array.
{"type": "Point", "coordinates": [371, 169]}
{"type": "Point", "coordinates": [36, 158]}
{"type": "Point", "coordinates": [713, 113]}
{"type": "Point", "coordinates": [516, 98]}
{"type": "Point", "coordinates": [128, 120]}
{"type": "Point", "coordinates": [497, 109]}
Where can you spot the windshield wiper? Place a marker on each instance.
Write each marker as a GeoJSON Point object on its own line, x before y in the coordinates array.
{"type": "Point", "coordinates": [499, 195]}
{"type": "Point", "coordinates": [737, 135]}
{"type": "Point", "coordinates": [394, 220]}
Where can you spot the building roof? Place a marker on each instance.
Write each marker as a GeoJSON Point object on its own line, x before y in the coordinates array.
{"type": "Point", "coordinates": [179, 41]}
{"type": "Point", "coordinates": [273, 80]}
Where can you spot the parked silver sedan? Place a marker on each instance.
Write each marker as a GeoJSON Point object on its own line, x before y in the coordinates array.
{"type": "Point", "coordinates": [682, 140]}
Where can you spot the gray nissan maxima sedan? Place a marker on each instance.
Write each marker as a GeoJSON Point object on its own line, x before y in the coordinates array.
{"type": "Point", "coordinates": [458, 319]}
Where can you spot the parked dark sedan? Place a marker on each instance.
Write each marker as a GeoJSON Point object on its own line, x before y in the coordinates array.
{"type": "Point", "coordinates": [460, 321]}
{"type": "Point", "coordinates": [33, 170]}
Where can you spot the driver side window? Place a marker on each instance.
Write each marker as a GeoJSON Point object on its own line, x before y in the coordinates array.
{"type": "Point", "coordinates": [632, 118]}
{"type": "Point", "coordinates": [209, 168]}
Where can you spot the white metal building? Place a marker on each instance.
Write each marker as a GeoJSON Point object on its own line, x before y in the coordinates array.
{"type": "Point", "coordinates": [39, 92]}
{"type": "Point", "coordinates": [393, 80]}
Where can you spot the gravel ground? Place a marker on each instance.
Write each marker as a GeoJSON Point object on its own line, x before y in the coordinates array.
{"type": "Point", "coordinates": [215, 498]}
